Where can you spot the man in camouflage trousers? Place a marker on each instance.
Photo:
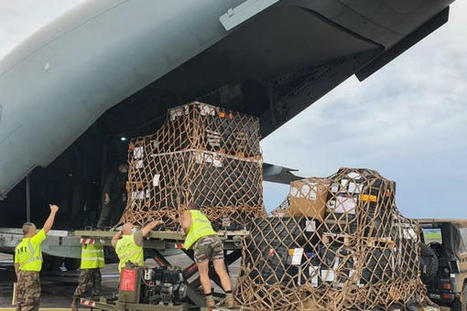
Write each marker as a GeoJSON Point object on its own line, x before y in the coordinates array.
{"type": "Point", "coordinates": [28, 263]}
{"type": "Point", "coordinates": [207, 247]}
{"type": "Point", "coordinates": [92, 260]}
{"type": "Point", "coordinates": [28, 291]}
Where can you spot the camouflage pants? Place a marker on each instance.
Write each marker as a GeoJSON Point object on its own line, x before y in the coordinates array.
{"type": "Point", "coordinates": [28, 291]}
{"type": "Point", "coordinates": [86, 276]}
{"type": "Point", "coordinates": [208, 248]}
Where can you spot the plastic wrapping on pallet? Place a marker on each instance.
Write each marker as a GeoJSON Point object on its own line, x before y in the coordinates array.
{"type": "Point", "coordinates": [203, 155]}
{"type": "Point", "coordinates": [358, 255]}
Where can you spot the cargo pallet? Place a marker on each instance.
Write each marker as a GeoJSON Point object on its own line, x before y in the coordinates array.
{"type": "Point", "coordinates": [158, 241]}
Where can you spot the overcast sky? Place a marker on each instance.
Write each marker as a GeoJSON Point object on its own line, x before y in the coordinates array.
{"type": "Point", "coordinates": [408, 121]}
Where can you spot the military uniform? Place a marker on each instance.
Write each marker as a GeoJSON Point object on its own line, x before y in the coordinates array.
{"type": "Point", "coordinates": [28, 255]}
{"type": "Point", "coordinates": [92, 260]}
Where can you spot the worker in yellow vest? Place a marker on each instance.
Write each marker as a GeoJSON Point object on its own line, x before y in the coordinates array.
{"type": "Point", "coordinates": [207, 246]}
{"type": "Point", "coordinates": [128, 244]}
{"type": "Point", "coordinates": [28, 263]}
{"type": "Point", "coordinates": [92, 260]}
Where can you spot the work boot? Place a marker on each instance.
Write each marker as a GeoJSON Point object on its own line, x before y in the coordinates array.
{"type": "Point", "coordinates": [75, 304]}
{"type": "Point", "coordinates": [229, 300]}
{"type": "Point", "coordinates": [210, 303]}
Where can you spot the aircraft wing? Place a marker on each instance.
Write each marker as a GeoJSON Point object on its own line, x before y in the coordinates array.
{"type": "Point", "coordinates": [279, 174]}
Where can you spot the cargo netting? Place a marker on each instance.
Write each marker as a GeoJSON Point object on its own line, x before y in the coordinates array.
{"type": "Point", "coordinates": [336, 243]}
{"type": "Point", "coordinates": [204, 155]}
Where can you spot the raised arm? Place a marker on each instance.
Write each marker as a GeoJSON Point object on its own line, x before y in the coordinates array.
{"type": "Point", "coordinates": [116, 237]}
{"type": "Point", "coordinates": [149, 227]}
{"type": "Point", "coordinates": [50, 220]}
{"type": "Point", "coordinates": [185, 221]}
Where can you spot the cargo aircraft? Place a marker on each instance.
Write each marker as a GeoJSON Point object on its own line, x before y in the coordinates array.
{"type": "Point", "coordinates": [73, 93]}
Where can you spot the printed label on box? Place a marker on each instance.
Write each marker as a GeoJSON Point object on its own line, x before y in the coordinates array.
{"type": "Point", "coordinates": [214, 138]}
{"type": "Point", "coordinates": [355, 188]}
{"type": "Point", "coordinates": [344, 183]}
{"type": "Point", "coordinates": [139, 164]}
{"type": "Point", "coordinates": [206, 110]}
{"type": "Point", "coordinates": [334, 188]}
{"type": "Point", "coordinates": [138, 153]}
{"type": "Point", "coordinates": [345, 204]}
{"type": "Point", "coordinates": [178, 112]}
{"type": "Point", "coordinates": [368, 197]}
{"type": "Point", "coordinates": [297, 256]}
{"type": "Point", "coordinates": [327, 275]}
{"type": "Point", "coordinates": [293, 191]}
{"type": "Point", "coordinates": [354, 175]}
{"type": "Point", "coordinates": [137, 195]}
{"type": "Point", "coordinates": [205, 157]}
{"type": "Point", "coordinates": [156, 180]}
{"type": "Point", "coordinates": [331, 204]}
{"type": "Point", "coordinates": [310, 226]}
{"type": "Point", "coordinates": [336, 263]}
{"type": "Point", "coordinates": [314, 274]}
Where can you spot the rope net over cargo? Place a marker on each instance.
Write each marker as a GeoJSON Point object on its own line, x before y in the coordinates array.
{"type": "Point", "coordinates": [337, 243]}
{"type": "Point", "coordinates": [202, 155]}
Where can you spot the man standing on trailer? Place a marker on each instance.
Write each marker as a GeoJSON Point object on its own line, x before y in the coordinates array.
{"type": "Point", "coordinates": [92, 260]}
{"type": "Point", "coordinates": [128, 244]}
{"type": "Point", "coordinates": [207, 246]}
{"type": "Point", "coordinates": [28, 263]}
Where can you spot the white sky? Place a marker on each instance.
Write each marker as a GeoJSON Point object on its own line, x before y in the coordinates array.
{"type": "Point", "coordinates": [408, 121]}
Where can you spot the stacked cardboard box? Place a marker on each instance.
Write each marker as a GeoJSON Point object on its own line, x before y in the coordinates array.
{"type": "Point", "coordinates": [202, 155]}
{"type": "Point", "coordinates": [340, 245]}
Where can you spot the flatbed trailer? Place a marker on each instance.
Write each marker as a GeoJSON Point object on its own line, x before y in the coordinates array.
{"type": "Point", "coordinates": [158, 243]}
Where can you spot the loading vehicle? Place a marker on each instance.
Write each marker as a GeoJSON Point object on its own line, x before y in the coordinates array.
{"type": "Point", "coordinates": [166, 287]}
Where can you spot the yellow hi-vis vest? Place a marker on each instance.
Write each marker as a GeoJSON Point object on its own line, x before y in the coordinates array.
{"type": "Point", "coordinates": [200, 227]}
{"type": "Point", "coordinates": [92, 256]}
{"type": "Point", "coordinates": [128, 251]}
{"type": "Point", "coordinates": [28, 253]}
